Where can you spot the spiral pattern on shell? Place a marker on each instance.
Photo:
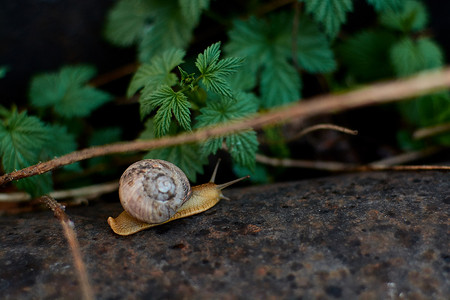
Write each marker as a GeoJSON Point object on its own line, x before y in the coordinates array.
{"type": "Point", "coordinates": [152, 190]}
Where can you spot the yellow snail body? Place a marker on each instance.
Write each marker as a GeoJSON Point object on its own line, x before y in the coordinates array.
{"type": "Point", "coordinates": [154, 192]}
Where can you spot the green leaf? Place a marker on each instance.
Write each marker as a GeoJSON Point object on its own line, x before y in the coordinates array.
{"type": "Point", "coordinates": [412, 16]}
{"type": "Point", "coordinates": [168, 102]}
{"type": "Point", "coordinates": [258, 175]}
{"type": "Point", "coordinates": [313, 49]}
{"type": "Point", "coordinates": [409, 57]}
{"type": "Point", "coordinates": [330, 13]}
{"type": "Point", "coordinates": [103, 136]}
{"type": "Point", "coordinates": [215, 72]}
{"type": "Point", "coordinates": [187, 79]}
{"type": "Point", "coordinates": [276, 142]}
{"type": "Point", "coordinates": [223, 110]}
{"type": "Point", "coordinates": [184, 156]}
{"type": "Point", "coordinates": [381, 5]}
{"type": "Point", "coordinates": [62, 142]}
{"type": "Point", "coordinates": [81, 102]}
{"type": "Point", "coordinates": [427, 110]}
{"type": "Point", "coordinates": [363, 52]}
{"type": "Point", "coordinates": [208, 58]}
{"type": "Point", "coordinates": [169, 28]}
{"type": "Point", "coordinates": [22, 140]}
{"type": "Point", "coordinates": [266, 44]}
{"type": "Point", "coordinates": [259, 40]}
{"type": "Point", "coordinates": [126, 21]}
{"type": "Point", "coordinates": [157, 71]}
{"type": "Point", "coordinates": [192, 9]}
{"type": "Point", "coordinates": [242, 146]}
{"type": "Point", "coordinates": [280, 84]}
{"type": "Point", "coordinates": [3, 71]}
{"type": "Point", "coordinates": [66, 92]}
{"type": "Point", "coordinates": [154, 25]}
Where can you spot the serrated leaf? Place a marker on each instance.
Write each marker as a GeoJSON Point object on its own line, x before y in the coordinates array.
{"type": "Point", "coordinates": [184, 156]}
{"type": "Point", "coordinates": [167, 102]}
{"type": "Point", "coordinates": [215, 72]}
{"type": "Point", "coordinates": [313, 49]}
{"type": "Point", "coordinates": [280, 84]}
{"type": "Point", "coordinates": [259, 40]}
{"type": "Point", "coordinates": [362, 53]}
{"type": "Point", "coordinates": [125, 22]}
{"type": "Point", "coordinates": [242, 147]}
{"type": "Point", "coordinates": [80, 102]}
{"type": "Point", "coordinates": [66, 92]}
{"type": "Point", "coordinates": [77, 75]}
{"type": "Point", "coordinates": [157, 71]}
{"type": "Point", "coordinates": [225, 109]}
{"type": "Point", "coordinates": [382, 5]}
{"type": "Point", "coordinates": [412, 16]}
{"type": "Point", "coordinates": [245, 79]}
{"type": "Point", "coordinates": [427, 110]}
{"type": "Point", "coordinates": [208, 58]}
{"type": "Point", "coordinates": [218, 85]}
{"type": "Point", "coordinates": [266, 43]}
{"type": "Point", "coordinates": [22, 139]}
{"type": "Point", "coordinates": [192, 9]}
{"type": "Point", "coordinates": [330, 13]}
{"type": "Point", "coordinates": [222, 110]}
{"type": "Point", "coordinates": [169, 29]}
{"type": "Point", "coordinates": [408, 56]}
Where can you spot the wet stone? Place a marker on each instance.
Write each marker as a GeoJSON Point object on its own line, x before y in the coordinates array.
{"type": "Point", "coordinates": [381, 235]}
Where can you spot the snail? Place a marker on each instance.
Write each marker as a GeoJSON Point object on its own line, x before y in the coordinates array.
{"type": "Point", "coordinates": [154, 192]}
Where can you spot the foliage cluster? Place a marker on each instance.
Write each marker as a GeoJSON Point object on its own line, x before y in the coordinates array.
{"type": "Point", "coordinates": [264, 61]}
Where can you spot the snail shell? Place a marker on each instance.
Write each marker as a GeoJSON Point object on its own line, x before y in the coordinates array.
{"type": "Point", "coordinates": [152, 190]}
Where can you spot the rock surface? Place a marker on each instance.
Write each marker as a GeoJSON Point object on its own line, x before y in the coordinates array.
{"type": "Point", "coordinates": [382, 235]}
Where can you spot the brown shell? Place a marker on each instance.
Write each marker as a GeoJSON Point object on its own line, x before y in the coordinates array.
{"type": "Point", "coordinates": [152, 190]}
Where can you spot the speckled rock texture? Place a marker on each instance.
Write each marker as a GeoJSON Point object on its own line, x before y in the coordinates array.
{"type": "Point", "coordinates": [382, 235]}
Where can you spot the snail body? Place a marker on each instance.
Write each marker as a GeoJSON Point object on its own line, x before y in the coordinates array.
{"type": "Point", "coordinates": [154, 192]}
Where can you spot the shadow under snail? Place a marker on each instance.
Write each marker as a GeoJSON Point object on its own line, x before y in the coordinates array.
{"type": "Point", "coordinates": [154, 192]}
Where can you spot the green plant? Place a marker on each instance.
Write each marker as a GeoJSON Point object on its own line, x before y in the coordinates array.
{"type": "Point", "coordinates": [61, 97]}
{"type": "Point", "coordinates": [267, 54]}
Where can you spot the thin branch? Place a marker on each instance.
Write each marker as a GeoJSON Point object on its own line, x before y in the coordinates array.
{"type": "Point", "coordinates": [405, 157]}
{"type": "Point", "coordinates": [307, 164]}
{"type": "Point", "coordinates": [402, 168]}
{"type": "Point", "coordinates": [71, 237]}
{"type": "Point", "coordinates": [370, 95]}
{"type": "Point", "coordinates": [87, 192]}
{"type": "Point", "coordinates": [324, 126]}
{"type": "Point", "coordinates": [271, 6]}
{"type": "Point", "coordinates": [430, 131]}
{"type": "Point", "coordinates": [114, 75]}
{"type": "Point", "coordinates": [340, 167]}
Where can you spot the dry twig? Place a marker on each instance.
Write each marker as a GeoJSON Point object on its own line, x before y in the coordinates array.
{"type": "Point", "coordinates": [370, 95]}
{"type": "Point", "coordinates": [86, 192]}
{"type": "Point", "coordinates": [71, 237]}
{"type": "Point", "coordinates": [432, 130]}
{"type": "Point", "coordinates": [323, 126]}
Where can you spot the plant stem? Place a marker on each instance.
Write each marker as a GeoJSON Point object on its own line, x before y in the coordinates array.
{"type": "Point", "coordinates": [71, 237]}
{"type": "Point", "coordinates": [378, 93]}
